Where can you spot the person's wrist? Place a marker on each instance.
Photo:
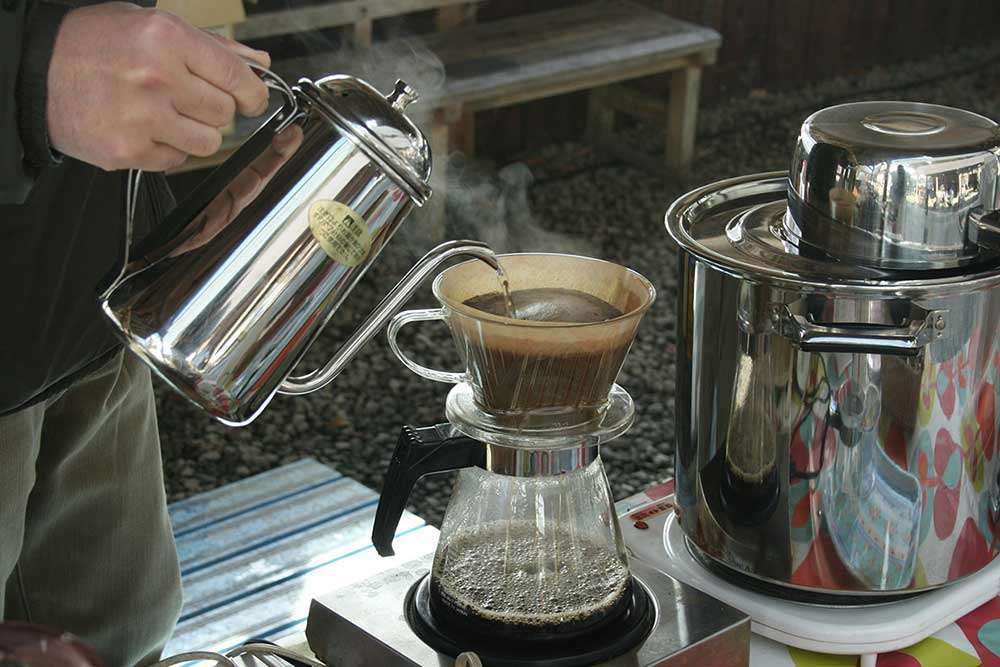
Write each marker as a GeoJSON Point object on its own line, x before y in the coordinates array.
{"type": "Point", "coordinates": [42, 27]}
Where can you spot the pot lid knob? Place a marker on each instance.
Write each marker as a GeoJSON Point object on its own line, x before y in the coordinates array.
{"type": "Point", "coordinates": [402, 96]}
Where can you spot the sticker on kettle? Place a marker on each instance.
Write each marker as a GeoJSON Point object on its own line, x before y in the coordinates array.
{"type": "Point", "coordinates": [340, 231]}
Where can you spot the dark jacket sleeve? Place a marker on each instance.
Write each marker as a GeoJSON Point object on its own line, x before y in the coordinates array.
{"type": "Point", "coordinates": [27, 34]}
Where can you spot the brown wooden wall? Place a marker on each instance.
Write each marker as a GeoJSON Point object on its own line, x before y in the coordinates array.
{"type": "Point", "coordinates": [788, 42]}
{"type": "Point", "coordinates": [769, 44]}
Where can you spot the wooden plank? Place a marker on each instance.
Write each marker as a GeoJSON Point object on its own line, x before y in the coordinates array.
{"type": "Point", "coordinates": [567, 82]}
{"type": "Point", "coordinates": [636, 103]}
{"type": "Point", "coordinates": [454, 16]}
{"type": "Point", "coordinates": [362, 32]}
{"type": "Point", "coordinates": [434, 210]}
{"type": "Point", "coordinates": [331, 15]}
{"type": "Point", "coordinates": [463, 134]}
{"type": "Point", "coordinates": [549, 53]}
{"type": "Point", "coordinates": [685, 88]}
{"type": "Point", "coordinates": [594, 41]}
{"type": "Point", "coordinates": [600, 115]}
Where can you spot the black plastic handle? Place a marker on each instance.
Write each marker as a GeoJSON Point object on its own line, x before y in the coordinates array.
{"type": "Point", "coordinates": [419, 452]}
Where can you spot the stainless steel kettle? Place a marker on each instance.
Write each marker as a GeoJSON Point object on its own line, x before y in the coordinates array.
{"type": "Point", "coordinates": [224, 298]}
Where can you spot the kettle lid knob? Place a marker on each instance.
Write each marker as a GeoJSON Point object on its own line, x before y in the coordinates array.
{"type": "Point", "coordinates": [402, 96]}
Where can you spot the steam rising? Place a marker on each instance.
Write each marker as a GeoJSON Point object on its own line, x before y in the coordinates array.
{"type": "Point", "coordinates": [483, 203]}
{"type": "Point", "coordinates": [493, 206]}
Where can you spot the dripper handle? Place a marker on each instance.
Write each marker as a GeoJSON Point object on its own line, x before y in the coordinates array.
{"type": "Point", "coordinates": [419, 452]}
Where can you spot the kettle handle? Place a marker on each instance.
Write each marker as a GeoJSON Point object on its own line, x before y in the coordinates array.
{"type": "Point", "coordinates": [275, 82]}
{"type": "Point", "coordinates": [386, 308]}
{"type": "Point", "coordinates": [290, 112]}
{"type": "Point", "coordinates": [419, 452]}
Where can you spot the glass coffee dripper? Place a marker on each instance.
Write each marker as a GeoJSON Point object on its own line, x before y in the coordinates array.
{"type": "Point", "coordinates": [530, 557]}
{"type": "Point", "coordinates": [532, 377]}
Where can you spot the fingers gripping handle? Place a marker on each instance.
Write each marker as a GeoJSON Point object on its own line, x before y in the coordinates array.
{"type": "Point", "coordinates": [419, 452]}
{"type": "Point", "coordinates": [275, 82]}
{"type": "Point", "coordinates": [401, 320]}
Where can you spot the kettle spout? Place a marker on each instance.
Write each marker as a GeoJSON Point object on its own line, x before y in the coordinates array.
{"type": "Point", "coordinates": [384, 311]}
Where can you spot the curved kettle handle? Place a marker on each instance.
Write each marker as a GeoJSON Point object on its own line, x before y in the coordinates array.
{"type": "Point", "coordinates": [386, 308]}
{"type": "Point", "coordinates": [275, 82]}
{"type": "Point", "coordinates": [290, 111]}
{"type": "Point", "coordinates": [419, 452]}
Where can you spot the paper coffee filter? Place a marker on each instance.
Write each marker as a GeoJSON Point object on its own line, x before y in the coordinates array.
{"type": "Point", "coordinates": [617, 285]}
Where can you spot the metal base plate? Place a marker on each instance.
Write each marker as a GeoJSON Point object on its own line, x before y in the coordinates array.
{"type": "Point", "coordinates": [857, 630]}
{"type": "Point", "coordinates": [365, 625]}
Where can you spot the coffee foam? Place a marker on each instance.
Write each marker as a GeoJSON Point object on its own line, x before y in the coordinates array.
{"type": "Point", "coordinates": [509, 574]}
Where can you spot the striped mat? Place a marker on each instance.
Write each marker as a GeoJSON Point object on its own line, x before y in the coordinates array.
{"type": "Point", "coordinates": [254, 553]}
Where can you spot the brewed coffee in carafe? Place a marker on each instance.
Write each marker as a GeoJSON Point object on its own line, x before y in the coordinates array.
{"type": "Point", "coordinates": [530, 557]}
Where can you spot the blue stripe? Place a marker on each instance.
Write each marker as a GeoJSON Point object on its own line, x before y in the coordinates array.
{"type": "Point", "coordinates": [277, 538]}
{"type": "Point", "coordinates": [286, 578]}
{"type": "Point", "coordinates": [260, 505]}
{"type": "Point", "coordinates": [270, 632]}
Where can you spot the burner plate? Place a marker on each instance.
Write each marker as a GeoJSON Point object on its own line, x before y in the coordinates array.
{"type": "Point", "coordinates": [603, 644]}
{"type": "Point", "coordinates": [863, 630]}
{"type": "Point", "coordinates": [365, 624]}
{"type": "Point", "coordinates": [758, 585]}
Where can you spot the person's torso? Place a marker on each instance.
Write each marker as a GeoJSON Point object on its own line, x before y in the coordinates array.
{"type": "Point", "coordinates": [61, 247]}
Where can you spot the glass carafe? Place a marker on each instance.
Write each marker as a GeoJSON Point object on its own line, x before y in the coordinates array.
{"type": "Point", "coordinates": [530, 546]}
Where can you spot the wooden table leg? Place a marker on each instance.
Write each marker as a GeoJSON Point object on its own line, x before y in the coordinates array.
{"type": "Point", "coordinates": [463, 134]}
{"type": "Point", "coordinates": [362, 32]}
{"type": "Point", "coordinates": [434, 209]}
{"type": "Point", "coordinates": [600, 116]}
{"type": "Point", "coordinates": [685, 88]}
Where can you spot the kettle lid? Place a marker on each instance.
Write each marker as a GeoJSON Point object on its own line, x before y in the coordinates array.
{"type": "Point", "coordinates": [376, 122]}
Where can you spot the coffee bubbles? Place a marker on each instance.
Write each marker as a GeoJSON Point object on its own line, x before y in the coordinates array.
{"type": "Point", "coordinates": [547, 304]}
{"type": "Point", "coordinates": [508, 578]}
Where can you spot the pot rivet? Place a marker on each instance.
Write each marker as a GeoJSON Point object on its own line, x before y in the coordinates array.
{"type": "Point", "coordinates": [939, 323]}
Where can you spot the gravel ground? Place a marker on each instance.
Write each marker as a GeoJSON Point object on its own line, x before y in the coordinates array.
{"type": "Point", "coordinates": [570, 198]}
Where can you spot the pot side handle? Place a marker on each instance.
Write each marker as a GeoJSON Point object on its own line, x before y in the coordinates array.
{"type": "Point", "coordinates": [984, 228]}
{"type": "Point", "coordinates": [906, 339]}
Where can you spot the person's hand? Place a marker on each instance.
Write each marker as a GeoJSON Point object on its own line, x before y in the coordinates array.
{"type": "Point", "coordinates": [132, 88]}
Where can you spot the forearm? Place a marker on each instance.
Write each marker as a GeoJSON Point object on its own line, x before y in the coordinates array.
{"type": "Point", "coordinates": [28, 34]}
{"type": "Point", "coordinates": [15, 182]}
{"type": "Point", "coordinates": [41, 27]}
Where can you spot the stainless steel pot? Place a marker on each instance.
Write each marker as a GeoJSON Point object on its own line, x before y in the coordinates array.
{"type": "Point", "coordinates": [836, 422]}
{"type": "Point", "coordinates": [225, 298]}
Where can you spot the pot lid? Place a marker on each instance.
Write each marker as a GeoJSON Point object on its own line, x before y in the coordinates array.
{"type": "Point", "coordinates": [897, 185]}
{"type": "Point", "coordinates": [378, 125]}
{"type": "Point", "coordinates": [739, 226]}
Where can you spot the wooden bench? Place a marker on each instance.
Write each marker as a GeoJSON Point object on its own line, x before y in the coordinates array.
{"type": "Point", "coordinates": [592, 46]}
{"type": "Point", "coordinates": [355, 18]}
